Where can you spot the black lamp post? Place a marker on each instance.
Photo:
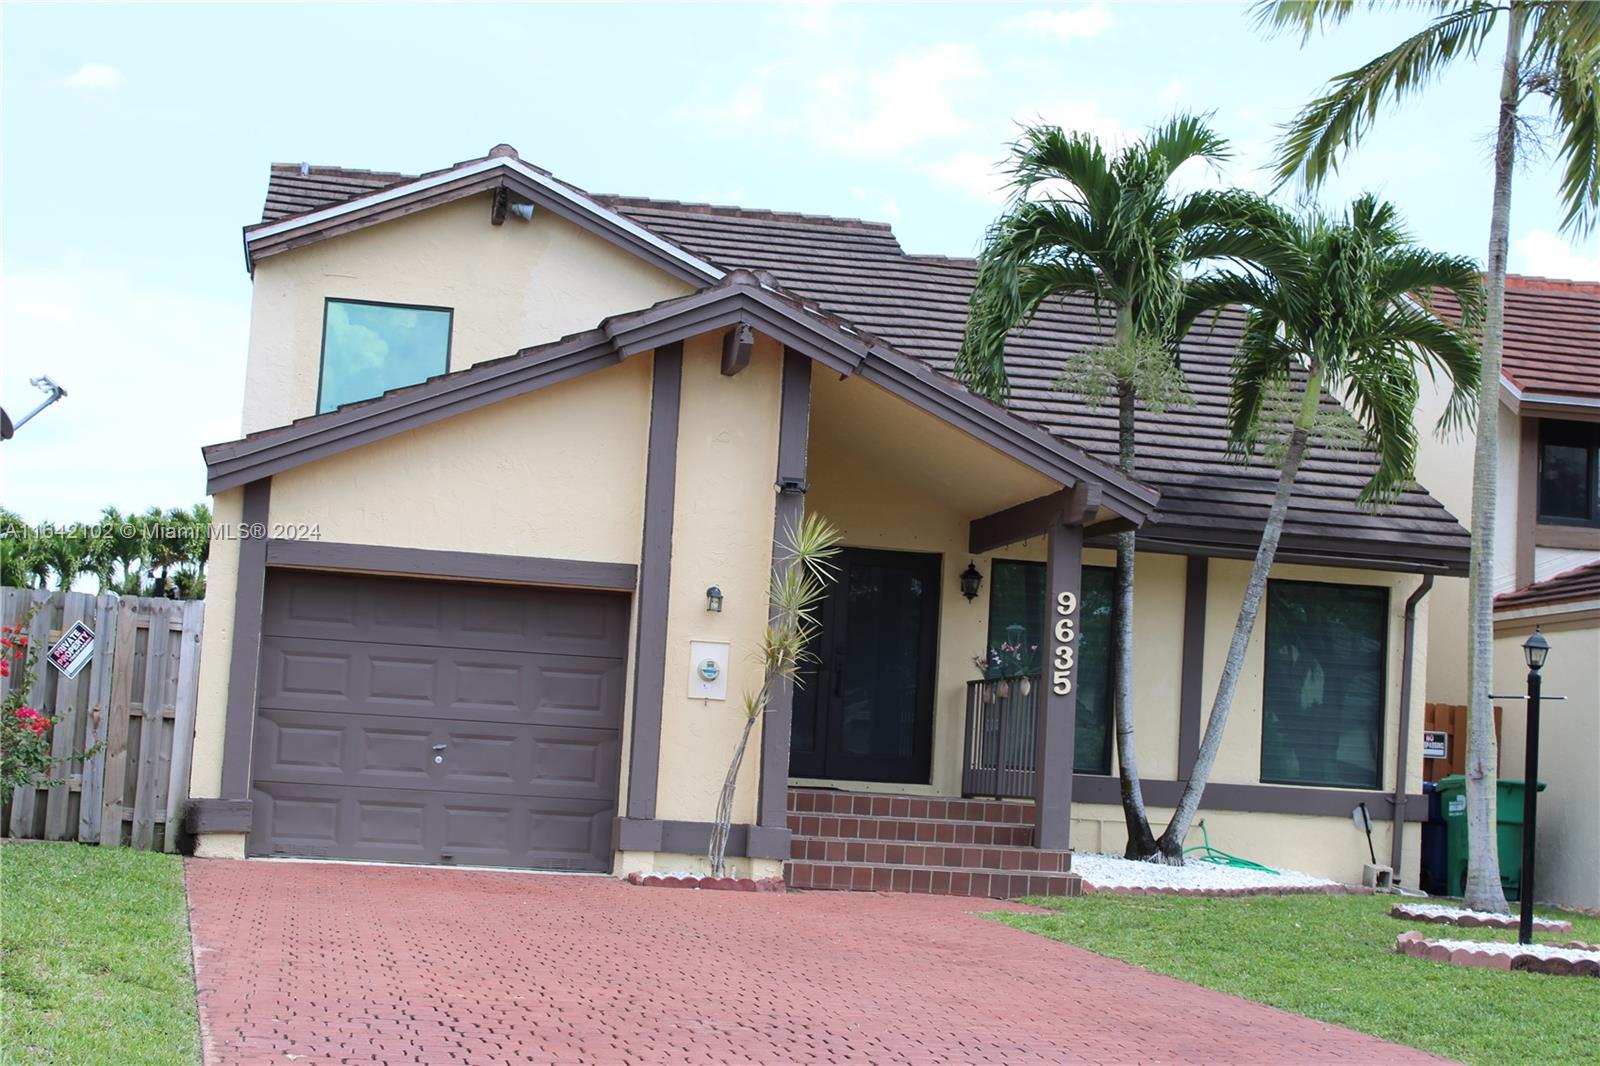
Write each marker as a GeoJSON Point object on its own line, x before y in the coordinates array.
{"type": "Point", "coordinates": [1535, 650]}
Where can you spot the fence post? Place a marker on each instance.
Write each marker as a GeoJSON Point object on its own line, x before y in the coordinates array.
{"type": "Point", "coordinates": [194, 613]}
{"type": "Point", "coordinates": [116, 753]}
{"type": "Point", "coordinates": [98, 710]}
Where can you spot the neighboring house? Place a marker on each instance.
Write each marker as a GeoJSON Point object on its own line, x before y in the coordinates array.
{"type": "Point", "coordinates": [501, 438]}
{"type": "Point", "coordinates": [1546, 551]}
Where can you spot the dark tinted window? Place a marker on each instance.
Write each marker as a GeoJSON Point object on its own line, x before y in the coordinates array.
{"type": "Point", "coordinates": [1322, 709]}
{"type": "Point", "coordinates": [1016, 632]}
{"type": "Point", "coordinates": [1569, 472]}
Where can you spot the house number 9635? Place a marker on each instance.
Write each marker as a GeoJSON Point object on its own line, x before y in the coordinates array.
{"type": "Point", "coordinates": [1066, 632]}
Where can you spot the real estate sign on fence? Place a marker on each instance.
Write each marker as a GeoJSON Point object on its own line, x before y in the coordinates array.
{"type": "Point", "coordinates": [127, 679]}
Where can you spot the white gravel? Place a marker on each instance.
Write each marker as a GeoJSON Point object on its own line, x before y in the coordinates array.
{"type": "Point", "coordinates": [1113, 871]}
{"type": "Point", "coordinates": [1455, 914]}
{"type": "Point", "coordinates": [1543, 951]}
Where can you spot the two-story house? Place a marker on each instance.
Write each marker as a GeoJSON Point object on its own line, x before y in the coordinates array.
{"type": "Point", "coordinates": [518, 460]}
{"type": "Point", "coordinates": [1547, 564]}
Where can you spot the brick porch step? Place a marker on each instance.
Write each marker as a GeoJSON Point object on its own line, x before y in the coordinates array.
{"type": "Point", "coordinates": [933, 808]}
{"type": "Point", "coordinates": [911, 830]}
{"type": "Point", "coordinates": [935, 880]}
{"type": "Point", "coordinates": [953, 856]}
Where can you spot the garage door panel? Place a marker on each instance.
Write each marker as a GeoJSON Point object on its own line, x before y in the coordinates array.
{"type": "Point", "coordinates": [396, 752]}
{"type": "Point", "coordinates": [347, 677]}
{"type": "Point", "coordinates": [364, 682]}
{"type": "Point", "coordinates": [441, 614]}
{"type": "Point", "coordinates": [363, 823]}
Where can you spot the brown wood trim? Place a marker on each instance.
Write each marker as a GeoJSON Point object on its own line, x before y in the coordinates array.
{"type": "Point", "coordinates": [655, 582]}
{"type": "Point", "coordinates": [1020, 522]}
{"type": "Point", "coordinates": [1057, 716]}
{"type": "Point", "coordinates": [694, 838]}
{"type": "Point", "coordinates": [1191, 686]}
{"type": "Point", "coordinates": [1582, 538]}
{"type": "Point", "coordinates": [794, 431]}
{"type": "Point", "coordinates": [452, 565]}
{"type": "Point", "coordinates": [244, 661]}
{"type": "Point", "coordinates": [260, 248]}
{"type": "Point", "coordinates": [1527, 503]}
{"type": "Point", "coordinates": [1354, 552]}
{"type": "Point", "coordinates": [218, 816]}
{"type": "Point", "coordinates": [1252, 799]}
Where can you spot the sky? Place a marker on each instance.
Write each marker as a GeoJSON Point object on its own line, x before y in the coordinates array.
{"type": "Point", "coordinates": [135, 142]}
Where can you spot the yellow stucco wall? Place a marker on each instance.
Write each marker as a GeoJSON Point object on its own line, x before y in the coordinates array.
{"type": "Point", "coordinates": [1568, 856]}
{"type": "Point", "coordinates": [216, 648]}
{"type": "Point", "coordinates": [722, 535]}
{"type": "Point", "coordinates": [510, 286]}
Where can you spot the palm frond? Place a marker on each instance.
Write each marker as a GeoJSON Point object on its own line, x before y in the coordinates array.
{"type": "Point", "coordinates": [1185, 136]}
{"type": "Point", "coordinates": [1336, 120]}
{"type": "Point", "coordinates": [1380, 390]}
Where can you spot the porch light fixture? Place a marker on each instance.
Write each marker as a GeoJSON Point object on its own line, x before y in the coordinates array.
{"type": "Point", "coordinates": [1535, 650]}
{"type": "Point", "coordinates": [971, 581]}
{"type": "Point", "coordinates": [714, 600]}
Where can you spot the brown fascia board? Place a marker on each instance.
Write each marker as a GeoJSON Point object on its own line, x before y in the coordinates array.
{"type": "Point", "coordinates": [476, 176]}
{"type": "Point", "coordinates": [739, 299]}
{"type": "Point", "coordinates": [1354, 551]}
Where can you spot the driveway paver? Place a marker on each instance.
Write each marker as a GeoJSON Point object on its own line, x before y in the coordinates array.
{"type": "Point", "coordinates": [313, 963]}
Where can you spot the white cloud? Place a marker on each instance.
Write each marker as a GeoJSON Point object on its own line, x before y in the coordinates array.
{"type": "Point", "coordinates": [1069, 23]}
{"type": "Point", "coordinates": [877, 206]}
{"type": "Point", "coordinates": [1547, 255]}
{"type": "Point", "coordinates": [811, 17]}
{"type": "Point", "coordinates": [881, 112]}
{"type": "Point", "coordinates": [152, 373]}
{"type": "Point", "coordinates": [92, 76]}
{"type": "Point", "coordinates": [977, 173]}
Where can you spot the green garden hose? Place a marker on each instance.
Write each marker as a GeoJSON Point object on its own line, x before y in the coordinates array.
{"type": "Point", "coordinates": [1206, 853]}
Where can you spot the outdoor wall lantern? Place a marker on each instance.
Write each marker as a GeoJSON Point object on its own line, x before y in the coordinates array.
{"type": "Point", "coordinates": [714, 599]}
{"type": "Point", "coordinates": [971, 581]}
{"type": "Point", "coordinates": [1536, 650]}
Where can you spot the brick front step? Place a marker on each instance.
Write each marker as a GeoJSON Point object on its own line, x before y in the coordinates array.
{"type": "Point", "coordinates": [911, 830]}
{"type": "Point", "coordinates": [893, 853]}
{"type": "Point", "coordinates": [935, 880]}
{"type": "Point", "coordinates": [935, 808]}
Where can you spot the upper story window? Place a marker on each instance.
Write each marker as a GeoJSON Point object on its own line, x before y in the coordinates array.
{"type": "Point", "coordinates": [1323, 699]}
{"type": "Point", "coordinates": [1016, 632]}
{"type": "Point", "coordinates": [1569, 472]}
{"type": "Point", "coordinates": [370, 348]}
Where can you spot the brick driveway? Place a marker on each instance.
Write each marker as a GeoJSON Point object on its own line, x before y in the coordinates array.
{"type": "Point", "coordinates": [311, 963]}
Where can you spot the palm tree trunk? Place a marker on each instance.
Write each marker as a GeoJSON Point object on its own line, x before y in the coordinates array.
{"type": "Point", "coordinates": [1483, 861]}
{"type": "Point", "coordinates": [1171, 842]}
{"type": "Point", "coordinates": [1141, 841]}
{"type": "Point", "coordinates": [718, 851]}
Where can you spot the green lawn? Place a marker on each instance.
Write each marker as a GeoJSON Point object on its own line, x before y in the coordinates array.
{"type": "Point", "coordinates": [95, 965]}
{"type": "Point", "coordinates": [1332, 957]}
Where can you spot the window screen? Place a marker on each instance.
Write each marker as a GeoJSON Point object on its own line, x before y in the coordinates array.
{"type": "Point", "coordinates": [370, 348]}
{"type": "Point", "coordinates": [1322, 709]}
{"type": "Point", "coordinates": [1016, 632]}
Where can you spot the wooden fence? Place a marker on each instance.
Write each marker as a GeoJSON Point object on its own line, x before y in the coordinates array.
{"type": "Point", "coordinates": [137, 695]}
{"type": "Point", "coordinates": [1451, 720]}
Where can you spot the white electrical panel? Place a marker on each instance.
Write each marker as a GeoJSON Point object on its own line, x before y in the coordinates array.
{"type": "Point", "coordinates": [708, 669]}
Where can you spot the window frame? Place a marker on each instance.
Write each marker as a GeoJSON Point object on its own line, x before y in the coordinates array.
{"type": "Point", "coordinates": [1383, 685]}
{"type": "Point", "coordinates": [322, 352]}
{"type": "Point", "coordinates": [1111, 688]}
{"type": "Point", "coordinates": [1590, 429]}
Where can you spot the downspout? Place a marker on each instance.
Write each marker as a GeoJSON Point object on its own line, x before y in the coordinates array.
{"type": "Point", "coordinates": [1408, 651]}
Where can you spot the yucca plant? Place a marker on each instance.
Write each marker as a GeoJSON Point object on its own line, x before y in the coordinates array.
{"type": "Point", "coordinates": [798, 588]}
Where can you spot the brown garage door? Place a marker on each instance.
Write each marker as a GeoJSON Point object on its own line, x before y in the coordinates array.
{"type": "Point", "coordinates": [428, 721]}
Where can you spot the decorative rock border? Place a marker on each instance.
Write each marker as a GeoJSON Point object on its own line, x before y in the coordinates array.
{"type": "Point", "coordinates": [1264, 890]}
{"type": "Point", "coordinates": [1496, 955]}
{"type": "Point", "coordinates": [1467, 919]}
{"type": "Point", "coordinates": [714, 884]}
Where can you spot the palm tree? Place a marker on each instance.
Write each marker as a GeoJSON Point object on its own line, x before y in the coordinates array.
{"type": "Point", "coordinates": [1349, 321]}
{"type": "Point", "coordinates": [126, 548]}
{"type": "Point", "coordinates": [1111, 228]}
{"type": "Point", "coordinates": [164, 546]}
{"type": "Point", "coordinates": [1552, 50]}
{"type": "Point", "coordinates": [18, 550]}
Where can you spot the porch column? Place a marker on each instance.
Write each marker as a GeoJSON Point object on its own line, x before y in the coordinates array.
{"type": "Point", "coordinates": [1058, 705]}
{"type": "Point", "coordinates": [770, 835]}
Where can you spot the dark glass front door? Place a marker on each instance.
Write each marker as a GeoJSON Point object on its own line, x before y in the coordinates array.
{"type": "Point", "coordinates": [864, 708]}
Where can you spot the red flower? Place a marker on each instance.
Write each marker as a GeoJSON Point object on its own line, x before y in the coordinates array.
{"type": "Point", "coordinates": [5, 668]}
{"type": "Point", "coordinates": [22, 642]}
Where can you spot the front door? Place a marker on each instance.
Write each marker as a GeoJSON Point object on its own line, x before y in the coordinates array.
{"type": "Point", "coordinates": [864, 708]}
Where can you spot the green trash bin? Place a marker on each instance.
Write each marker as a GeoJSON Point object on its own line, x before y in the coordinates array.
{"type": "Point", "coordinates": [1508, 833]}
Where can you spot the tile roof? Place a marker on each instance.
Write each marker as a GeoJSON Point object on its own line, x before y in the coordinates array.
{"type": "Point", "coordinates": [1552, 341]}
{"type": "Point", "coordinates": [1582, 583]}
{"type": "Point", "coordinates": [918, 303]}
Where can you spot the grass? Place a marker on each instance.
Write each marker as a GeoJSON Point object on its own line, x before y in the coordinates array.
{"type": "Point", "coordinates": [94, 957]}
{"type": "Point", "coordinates": [1332, 957]}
